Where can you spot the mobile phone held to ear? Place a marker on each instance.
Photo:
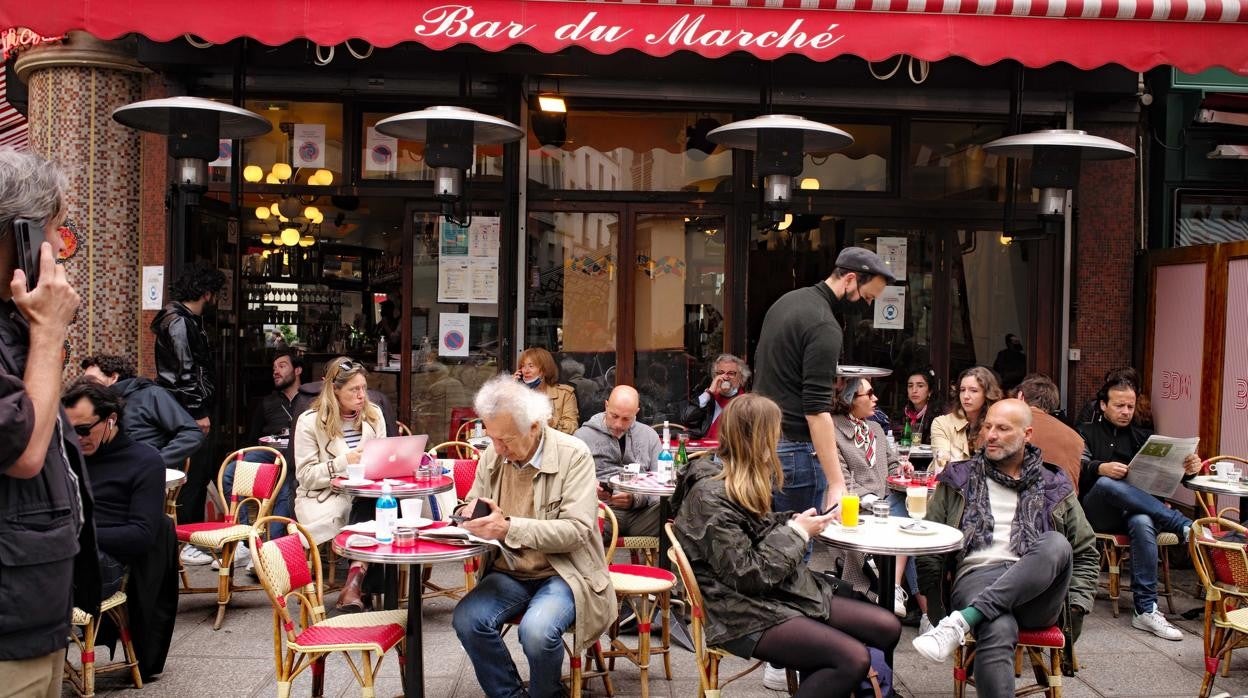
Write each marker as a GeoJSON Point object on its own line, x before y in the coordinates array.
{"type": "Point", "coordinates": [28, 236]}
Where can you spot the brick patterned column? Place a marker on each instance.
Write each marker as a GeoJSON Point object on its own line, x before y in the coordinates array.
{"type": "Point", "coordinates": [74, 88]}
{"type": "Point", "coordinates": [1103, 266]}
{"type": "Point", "coordinates": [153, 218]}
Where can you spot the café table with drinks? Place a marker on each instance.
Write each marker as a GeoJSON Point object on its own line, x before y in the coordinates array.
{"type": "Point", "coordinates": [1227, 479]}
{"type": "Point", "coordinates": [657, 484]}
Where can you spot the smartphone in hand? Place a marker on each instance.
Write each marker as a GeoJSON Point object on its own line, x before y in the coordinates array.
{"type": "Point", "coordinates": [829, 510]}
{"type": "Point", "coordinates": [28, 237]}
{"type": "Point", "coordinates": [481, 509]}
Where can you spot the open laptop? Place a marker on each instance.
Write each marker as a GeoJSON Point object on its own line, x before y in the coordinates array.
{"type": "Point", "coordinates": [393, 456]}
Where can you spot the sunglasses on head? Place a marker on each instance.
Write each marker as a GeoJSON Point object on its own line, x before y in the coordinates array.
{"type": "Point", "coordinates": [349, 366]}
{"type": "Point", "coordinates": [85, 429]}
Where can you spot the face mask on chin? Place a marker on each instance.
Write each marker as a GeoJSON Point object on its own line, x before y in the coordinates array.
{"type": "Point", "coordinates": [732, 392]}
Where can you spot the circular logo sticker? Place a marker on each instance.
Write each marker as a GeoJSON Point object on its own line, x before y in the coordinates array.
{"type": "Point", "coordinates": [454, 340]}
{"type": "Point", "coordinates": [890, 312]}
{"type": "Point", "coordinates": [381, 154]}
{"type": "Point", "coordinates": [309, 151]}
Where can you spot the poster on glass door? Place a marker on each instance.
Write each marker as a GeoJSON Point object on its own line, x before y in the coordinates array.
{"type": "Point", "coordinates": [893, 253]}
{"type": "Point", "coordinates": [468, 261]}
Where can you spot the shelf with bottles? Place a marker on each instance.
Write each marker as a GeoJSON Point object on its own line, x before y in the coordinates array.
{"type": "Point", "coordinates": [288, 294]}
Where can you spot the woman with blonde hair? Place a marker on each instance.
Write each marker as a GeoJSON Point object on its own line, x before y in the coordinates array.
{"type": "Point", "coordinates": [958, 431]}
{"type": "Point", "coordinates": [762, 600]}
{"type": "Point", "coordinates": [328, 437]}
{"type": "Point", "coordinates": [537, 370]}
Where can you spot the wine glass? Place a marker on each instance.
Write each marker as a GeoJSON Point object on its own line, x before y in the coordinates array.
{"type": "Point", "coordinates": [916, 505]}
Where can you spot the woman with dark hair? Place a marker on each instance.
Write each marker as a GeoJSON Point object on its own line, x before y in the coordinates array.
{"type": "Point", "coordinates": [958, 431]}
{"type": "Point", "coordinates": [537, 370]}
{"type": "Point", "coordinates": [761, 599]}
{"type": "Point", "coordinates": [922, 403]}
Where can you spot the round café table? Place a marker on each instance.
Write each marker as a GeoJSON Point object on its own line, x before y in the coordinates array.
{"type": "Point", "coordinates": [649, 486]}
{"type": "Point", "coordinates": [400, 488]}
{"type": "Point", "coordinates": [174, 478]}
{"type": "Point", "coordinates": [423, 552]}
{"type": "Point", "coordinates": [885, 541]}
{"type": "Point", "coordinates": [897, 484]}
{"type": "Point", "coordinates": [1210, 484]}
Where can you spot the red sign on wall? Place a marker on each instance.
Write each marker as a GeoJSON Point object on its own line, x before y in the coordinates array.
{"type": "Point", "coordinates": [17, 38]}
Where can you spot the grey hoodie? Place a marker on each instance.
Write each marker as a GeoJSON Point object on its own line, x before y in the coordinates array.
{"type": "Point", "coordinates": [641, 445]}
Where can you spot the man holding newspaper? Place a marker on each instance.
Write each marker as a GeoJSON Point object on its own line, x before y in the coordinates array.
{"type": "Point", "coordinates": [1125, 468]}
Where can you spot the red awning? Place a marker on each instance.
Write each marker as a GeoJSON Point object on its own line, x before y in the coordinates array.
{"type": "Point", "coordinates": [13, 129]}
{"type": "Point", "coordinates": [1140, 34]}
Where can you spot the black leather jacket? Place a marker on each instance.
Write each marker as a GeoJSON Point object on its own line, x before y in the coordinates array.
{"type": "Point", "coordinates": [48, 560]}
{"type": "Point", "coordinates": [184, 362]}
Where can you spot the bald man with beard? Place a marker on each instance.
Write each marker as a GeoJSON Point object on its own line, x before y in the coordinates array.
{"type": "Point", "coordinates": [616, 438]}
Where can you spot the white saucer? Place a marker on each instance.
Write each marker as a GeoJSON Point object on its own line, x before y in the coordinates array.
{"type": "Point", "coordinates": [417, 522]}
{"type": "Point", "coordinates": [358, 483]}
{"type": "Point", "coordinates": [916, 531]}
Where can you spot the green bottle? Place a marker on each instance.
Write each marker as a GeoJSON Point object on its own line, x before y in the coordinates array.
{"type": "Point", "coordinates": [682, 454]}
{"type": "Point", "coordinates": [907, 436]}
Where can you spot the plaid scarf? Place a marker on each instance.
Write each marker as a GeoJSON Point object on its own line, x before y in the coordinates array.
{"type": "Point", "coordinates": [1029, 518]}
{"type": "Point", "coordinates": [863, 438]}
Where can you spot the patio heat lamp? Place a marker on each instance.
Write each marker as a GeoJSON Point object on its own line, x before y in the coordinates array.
{"type": "Point", "coordinates": [1056, 156]}
{"type": "Point", "coordinates": [194, 127]}
{"type": "Point", "coordinates": [780, 141]}
{"type": "Point", "coordinates": [449, 134]}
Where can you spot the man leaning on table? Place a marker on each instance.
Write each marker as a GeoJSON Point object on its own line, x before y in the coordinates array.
{"type": "Point", "coordinates": [540, 488]}
{"type": "Point", "coordinates": [615, 438]}
{"type": "Point", "coordinates": [1028, 550]}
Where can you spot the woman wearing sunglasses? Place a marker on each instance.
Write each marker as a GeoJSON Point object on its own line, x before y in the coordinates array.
{"type": "Point", "coordinates": [328, 437]}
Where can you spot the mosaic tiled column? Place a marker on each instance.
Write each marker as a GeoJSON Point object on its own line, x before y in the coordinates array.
{"type": "Point", "coordinates": [74, 88]}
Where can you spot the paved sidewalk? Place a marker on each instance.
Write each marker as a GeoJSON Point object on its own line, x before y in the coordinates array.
{"type": "Point", "coordinates": [237, 660]}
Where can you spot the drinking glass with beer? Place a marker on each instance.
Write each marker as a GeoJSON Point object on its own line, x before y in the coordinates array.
{"type": "Point", "coordinates": [916, 505]}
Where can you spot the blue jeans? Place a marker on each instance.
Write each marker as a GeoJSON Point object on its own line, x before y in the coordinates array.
{"type": "Point", "coordinates": [1113, 506]}
{"type": "Point", "coordinates": [804, 482]}
{"type": "Point", "coordinates": [548, 609]}
{"type": "Point", "coordinates": [284, 505]}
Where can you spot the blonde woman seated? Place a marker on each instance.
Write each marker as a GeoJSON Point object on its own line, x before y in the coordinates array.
{"type": "Point", "coordinates": [328, 437]}
{"type": "Point", "coordinates": [761, 599]}
{"type": "Point", "coordinates": [958, 431]}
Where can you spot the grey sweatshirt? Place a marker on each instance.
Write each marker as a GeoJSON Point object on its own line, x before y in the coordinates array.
{"type": "Point", "coordinates": [641, 445]}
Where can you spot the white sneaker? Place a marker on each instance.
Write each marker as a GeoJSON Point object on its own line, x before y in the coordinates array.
{"type": "Point", "coordinates": [1155, 623]}
{"type": "Point", "coordinates": [194, 556]}
{"type": "Point", "coordinates": [939, 642]}
{"type": "Point", "coordinates": [775, 678]}
{"type": "Point", "coordinates": [899, 601]}
{"type": "Point", "coordinates": [242, 556]}
{"type": "Point", "coordinates": [925, 624]}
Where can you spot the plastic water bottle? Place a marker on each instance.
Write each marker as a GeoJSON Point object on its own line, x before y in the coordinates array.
{"type": "Point", "coordinates": [383, 354]}
{"type": "Point", "coordinates": [664, 468]}
{"type": "Point", "coordinates": [387, 512]}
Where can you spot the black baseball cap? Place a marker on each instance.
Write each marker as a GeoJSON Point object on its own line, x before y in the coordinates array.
{"type": "Point", "coordinates": [860, 259]}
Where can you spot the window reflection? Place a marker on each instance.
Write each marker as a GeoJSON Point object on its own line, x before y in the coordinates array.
{"type": "Point", "coordinates": [863, 166]}
{"type": "Point", "coordinates": [384, 157]}
{"type": "Point", "coordinates": [304, 134]}
{"type": "Point", "coordinates": [947, 161]}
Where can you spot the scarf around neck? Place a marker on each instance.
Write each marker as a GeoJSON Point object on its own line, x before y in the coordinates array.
{"type": "Point", "coordinates": [915, 417]}
{"type": "Point", "coordinates": [1029, 518]}
{"type": "Point", "coordinates": [863, 438]}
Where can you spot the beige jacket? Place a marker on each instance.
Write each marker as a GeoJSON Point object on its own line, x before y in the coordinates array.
{"type": "Point", "coordinates": [565, 527]}
{"type": "Point", "coordinates": [319, 459]}
{"type": "Point", "coordinates": [566, 416]}
{"type": "Point", "coordinates": [949, 434]}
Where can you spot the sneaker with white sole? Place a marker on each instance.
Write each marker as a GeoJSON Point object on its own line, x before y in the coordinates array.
{"type": "Point", "coordinates": [939, 642]}
{"type": "Point", "coordinates": [925, 624]}
{"type": "Point", "coordinates": [1155, 623]}
{"type": "Point", "coordinates": [775, 678]}
{"type": "Point", "coordinates": [242, 556]}
{"type": "Point", "coordinates": [899, 601]}
{"type": "Point", "coordinates": [194, 556]}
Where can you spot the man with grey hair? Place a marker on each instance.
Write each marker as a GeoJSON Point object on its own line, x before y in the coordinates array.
{"type": "Point", "coordinates": [538, 486]}
{"type": "Point", "coordinates": [729, 373]}
{"type": "Point", "coordinates": [46, 517]}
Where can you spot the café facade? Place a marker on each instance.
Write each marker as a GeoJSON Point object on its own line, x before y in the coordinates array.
{"type": "Point", "coordinates": [614, 233]}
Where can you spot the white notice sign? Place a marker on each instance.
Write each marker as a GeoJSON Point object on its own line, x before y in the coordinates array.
{"type": "Point", "coordinates": [890, 309]}
{"type": "Point", "coordinates": [453, 334]}
{"type": "Point", "coordinates": [309, 145]}
{"type": "Point", "coordinates": [893, 252]}
{"type": "Point", "coordinates": [153, 288]}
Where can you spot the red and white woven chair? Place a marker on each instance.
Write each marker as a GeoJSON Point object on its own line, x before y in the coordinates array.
{"type": "Point", "coordinates": [1114, 552]}
{"type": "Point", "coordinates": [289, 567]}
{"type": "Point", "coordinates": [1032, 643]}
{"type": "Point", "coordinates": [463, 473]}
{"type": "Point", "coordinates": [255, 484]}
{"type": "Point", "coordinates": [83, 679]}
{"type": "Point", "coordinates": [642, 587]}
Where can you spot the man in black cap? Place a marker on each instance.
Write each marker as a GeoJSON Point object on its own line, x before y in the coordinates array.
{"type": "Point", "coordinates": [795, 365]}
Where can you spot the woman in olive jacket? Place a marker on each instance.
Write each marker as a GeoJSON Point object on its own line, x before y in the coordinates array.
{"type": "Point", "coordinates": [761, 599]}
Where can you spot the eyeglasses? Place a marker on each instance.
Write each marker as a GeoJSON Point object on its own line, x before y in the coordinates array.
{"type": "Point", "coordinates": [869, 393]}
{"type": "Point", "coordinates": [85, 429]}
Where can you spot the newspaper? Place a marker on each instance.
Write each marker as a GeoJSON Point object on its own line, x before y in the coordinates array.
{"type": "Point", "coordinates": [453, 534]}
{"type": "Point", "coordinates": [1158, 467]}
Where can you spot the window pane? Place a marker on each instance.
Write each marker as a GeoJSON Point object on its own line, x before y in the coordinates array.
{"type": "Point", "coordinates": [863, 166]}
{"type": "Point", "coordinates": [570, 308]}
{"type": "Point", "coordinates": [948, 162]}
{"type": "Point", "coordinates": [678, 257]}
{"type": "Point", "coordinates": [306, 136]}
{"type": "Point", "coordinates": [384, 157]}
{"type": "Point", "coordinates": [990, 299]}
{"type": "Point", "coordinates": [627, 151]}
{"type": "Point", "coordinates": [451, 266]}
{"type": "Point", "coordinates": [1205, 219]}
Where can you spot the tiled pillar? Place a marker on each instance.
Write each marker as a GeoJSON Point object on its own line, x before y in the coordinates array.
{"type": "Point", "coordinates": [74, 88]}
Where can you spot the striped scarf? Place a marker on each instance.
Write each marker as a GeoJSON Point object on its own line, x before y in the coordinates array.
{"type": "Point", "coordinates": [863, 438]}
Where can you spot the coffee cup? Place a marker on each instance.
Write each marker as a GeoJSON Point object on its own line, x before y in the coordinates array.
{"type": "Point", "coordinates": [1222, 471]}
{"type": "Point", "coordinates": [630, 472]}
{"type": "Point", "coordinates": [411, 507]}
{"type": "Point", "coordinates": [355, 471]}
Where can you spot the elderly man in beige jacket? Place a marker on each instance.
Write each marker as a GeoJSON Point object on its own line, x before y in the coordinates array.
{"type": "Point", "coordinates": [540, 488]}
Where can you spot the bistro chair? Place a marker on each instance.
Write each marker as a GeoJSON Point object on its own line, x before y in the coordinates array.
{"type": "Point", "coordinates": [82, 680]}
{"type": "Point", "coordinates": [254, 484]}
{"type": "Point", "coordinates": [289, 567]}
{"type": "Point", "coordinates": [463, 473]}
{"type": "Point", "coordinates": [641, 587]}
{"type": "Point", "coordinates": [460, 416]}
{"type": "Point", "coordinates": [1207, 500]}
{"type": "Point", "coordinates": [1115, 548]}
{"type": "Point", "coordinates": [672, 426]}
{"type": "Point", "coordinates": [1033, 643]}
{"type": "Point", "coordinates": [1222, 566]}
{"type": "Point", "coordinates": [708, 658]}
{"type": "Point", "coordinates": [403, 429]}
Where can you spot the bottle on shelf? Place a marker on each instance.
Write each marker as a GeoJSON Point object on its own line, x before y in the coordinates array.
{"type": "Point", "coordinates": [387, 512]}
